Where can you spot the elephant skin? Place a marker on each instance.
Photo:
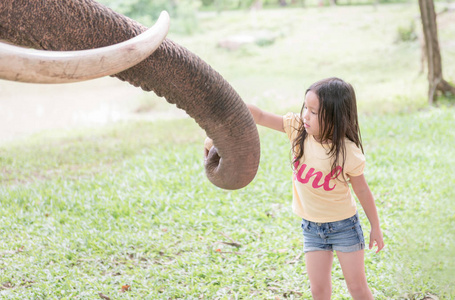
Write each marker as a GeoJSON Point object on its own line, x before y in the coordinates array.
{"type": "Point", "coordinates": [171, 71]}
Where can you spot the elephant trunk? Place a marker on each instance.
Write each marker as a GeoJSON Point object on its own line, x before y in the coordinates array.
{"type": "Point", "coordinates": [191, 84]}
{"type": "Point", "coordinates": [171, 71]}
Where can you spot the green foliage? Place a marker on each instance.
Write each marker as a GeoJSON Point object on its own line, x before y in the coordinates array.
{"type": "Point", "coordinates": [182, 12]}
{"type": "Point", "coordinates": [141, 10]}
{"type": "Point", "coordinates": [407, 33]}
{"type": "Point", "coordinates": [186, 17]}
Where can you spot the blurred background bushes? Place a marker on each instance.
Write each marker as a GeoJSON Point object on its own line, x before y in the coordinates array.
{"type": "Point", "coordinates": [184, 12]}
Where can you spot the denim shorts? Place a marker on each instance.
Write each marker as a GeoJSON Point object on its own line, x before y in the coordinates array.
{"type": "Point", "coordinates": [345, 235]}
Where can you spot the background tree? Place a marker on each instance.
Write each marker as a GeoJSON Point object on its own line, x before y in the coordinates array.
{"type": "Point", "coordinates": [433, 53]}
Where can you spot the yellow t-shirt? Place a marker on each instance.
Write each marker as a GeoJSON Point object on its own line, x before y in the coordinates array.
{"type": "Point", "coordinates": [316, 196]}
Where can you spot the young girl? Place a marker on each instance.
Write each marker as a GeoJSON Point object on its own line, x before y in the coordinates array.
{"type": "Point", "coordinates": [328, 153]}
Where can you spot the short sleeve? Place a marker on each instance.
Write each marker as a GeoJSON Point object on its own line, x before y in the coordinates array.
{"type": "Point", "coordinates": [291, 124]}
{"type": "Point", "coordinates": [355, 162]}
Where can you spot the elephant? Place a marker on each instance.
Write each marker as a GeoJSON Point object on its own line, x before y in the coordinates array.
{"type": "Point", "coordinates": [171, 71]}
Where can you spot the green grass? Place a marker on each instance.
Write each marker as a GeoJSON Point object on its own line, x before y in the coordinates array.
{"type": "Point", "coordinates": [87, 212]}
{"type": "Point", "coordinates": [149, 218]}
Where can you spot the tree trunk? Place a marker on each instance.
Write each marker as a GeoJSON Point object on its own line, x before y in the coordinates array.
{"type": "Point", "coordinates": [430, 32]}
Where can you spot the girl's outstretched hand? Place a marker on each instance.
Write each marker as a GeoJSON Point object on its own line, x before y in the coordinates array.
{"type": "Point", "coordinates": [376, 239]}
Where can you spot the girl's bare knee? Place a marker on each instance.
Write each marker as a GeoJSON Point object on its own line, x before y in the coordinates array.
{"type": "Point", "coordinates": [359, 290]}
{"type": "Point", "coordinates": [320, 292]}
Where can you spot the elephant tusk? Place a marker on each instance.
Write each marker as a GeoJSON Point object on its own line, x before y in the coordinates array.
{"type": "Point", "coordinates": [41, 66]}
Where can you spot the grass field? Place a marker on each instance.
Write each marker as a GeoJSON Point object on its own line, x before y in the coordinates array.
{"type": "Point", "coordinates": [125, 211]}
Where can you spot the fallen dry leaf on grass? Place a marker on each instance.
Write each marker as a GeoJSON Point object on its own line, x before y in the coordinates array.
{"type": "Point", "coordinates": [6, 285]}
{"type": "Point", "coordinates": [102, 296]}
{"type": "Point", "coordinates": [125, 288]}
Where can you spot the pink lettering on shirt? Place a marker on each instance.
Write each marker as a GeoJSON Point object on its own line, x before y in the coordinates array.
{"type": "Point", "coordinates": [317, 176]}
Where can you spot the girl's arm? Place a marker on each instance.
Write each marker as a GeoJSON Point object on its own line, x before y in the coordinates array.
{"type": "Point", "coordinates": [260, 117]}
{"type": "Point", "coordinates": [361, 189]}
{"type": "Point", "coordinates": [266, 119]}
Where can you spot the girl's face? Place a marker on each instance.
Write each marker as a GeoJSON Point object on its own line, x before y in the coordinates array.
{"type": "Point", "coordinates": [311, 114]}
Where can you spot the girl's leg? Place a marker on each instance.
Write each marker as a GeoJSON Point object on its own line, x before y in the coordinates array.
{"type": "Point", "coordinates": [319, 268]}
{"type": "Point", "coordinates": [353, 267]}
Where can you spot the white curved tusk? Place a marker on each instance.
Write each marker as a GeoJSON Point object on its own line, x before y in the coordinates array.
{"type": "Point", "coordinates": [41, 66]}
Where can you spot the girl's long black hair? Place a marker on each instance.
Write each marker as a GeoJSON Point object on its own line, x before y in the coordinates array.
{"type": "Point", "coordinates": [337, 120]}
